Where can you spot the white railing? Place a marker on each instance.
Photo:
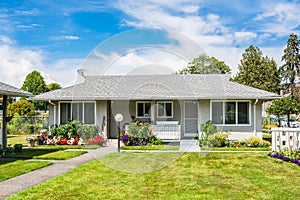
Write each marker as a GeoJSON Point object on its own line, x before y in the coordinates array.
{"type": "Point", "coordinates": [288, 138]}
{"type": "Point", "coordinates": [166, 131]}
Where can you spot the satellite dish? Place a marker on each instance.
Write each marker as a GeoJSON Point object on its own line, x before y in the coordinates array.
{"type": "Point", "coordinates": [83, 72]}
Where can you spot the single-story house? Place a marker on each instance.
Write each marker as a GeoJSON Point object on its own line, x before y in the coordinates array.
{"type": "Point", "coordinates": [6, 91]}
{"type": "Point", "coordinates": [175, 104]}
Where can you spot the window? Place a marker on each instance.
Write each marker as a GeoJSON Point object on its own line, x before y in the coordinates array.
{"type": "Point", "coordinates": [143, 109]}
{"type": "Point", "coordinates": [80, 111]}
{"type": "Point", "coordinates": [230, 112]}
{"type": "Point", "coordinates": [165, 109]}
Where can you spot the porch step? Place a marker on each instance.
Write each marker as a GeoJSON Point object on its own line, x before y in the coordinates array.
{"type": "Point", "coordinates": [189, 146]}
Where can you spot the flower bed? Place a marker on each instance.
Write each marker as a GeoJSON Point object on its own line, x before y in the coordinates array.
{"type": "Point", "coordinates": [293, 157]}
{"type": "Point", "coordinates": [139, 134]}
{"type": "Point", "coordinates": [73, 133]}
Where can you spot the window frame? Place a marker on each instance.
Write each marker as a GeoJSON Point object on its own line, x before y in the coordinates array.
{"type": "Point", "coordinates": [165, 102]}
{"type": "Point", "coordinates": [83, 107]}
{"type": "Point", "coordinates": [144, 107]}
{"type": "Point", "coordinates": [236, 112]}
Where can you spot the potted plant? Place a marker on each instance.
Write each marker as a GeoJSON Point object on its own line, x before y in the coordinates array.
{"type": "Point", "coordinates": [31, 141]}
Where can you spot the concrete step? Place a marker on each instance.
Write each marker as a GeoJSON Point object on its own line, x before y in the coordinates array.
{"type": "Point", "coordinates": [189, 146]}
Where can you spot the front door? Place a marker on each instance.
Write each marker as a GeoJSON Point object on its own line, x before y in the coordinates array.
{"type": "Point", "coordinates": [190, 118]}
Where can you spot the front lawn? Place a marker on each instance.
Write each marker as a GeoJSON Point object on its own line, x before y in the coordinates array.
{"type": "Point", "coordinates": [17, 139]}
{"type": "Point", "coordinates": [60, 155]}
{"type": "Point", "coordinates": [236, 148]}
{"type": "Point", "coordinates": [16, 168]}
{"type": "Point", "coordinates": [174, 176]}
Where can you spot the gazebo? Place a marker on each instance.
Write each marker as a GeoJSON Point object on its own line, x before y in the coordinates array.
{"type": "Point", "coordinates": [6, 91]}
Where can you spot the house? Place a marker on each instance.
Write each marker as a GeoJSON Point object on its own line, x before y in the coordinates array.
{"type": "Point", "coordinates": [176, 105]}
{"type": "Point", "coordinates": [6, 91]}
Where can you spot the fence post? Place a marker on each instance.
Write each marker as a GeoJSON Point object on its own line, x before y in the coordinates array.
{"type": "Point", "coordinates": [274, 139]}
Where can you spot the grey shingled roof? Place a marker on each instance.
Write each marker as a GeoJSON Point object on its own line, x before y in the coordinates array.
{"type": "Point", "coordinates": [9, 90]}
{"type": "Point", "coordinates": [138, 87]}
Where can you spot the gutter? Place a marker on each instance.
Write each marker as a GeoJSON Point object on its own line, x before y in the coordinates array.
{"type": "Point", "coordinates": [53, 104]}
{"type": "Point", "coordinates": [254, 120]}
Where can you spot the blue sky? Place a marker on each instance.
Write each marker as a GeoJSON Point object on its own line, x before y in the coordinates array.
{"type": "Point", "coordinates": [56, 37]}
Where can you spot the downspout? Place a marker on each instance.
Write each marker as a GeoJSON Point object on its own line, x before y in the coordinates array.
{"type": "Point", "coordinates": [254, 120]}
{"type": "Point", "coordinates": [54, 114]}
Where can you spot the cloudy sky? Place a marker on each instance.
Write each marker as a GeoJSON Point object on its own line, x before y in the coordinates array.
{"type": "Point", "coordinates": [56, 37]}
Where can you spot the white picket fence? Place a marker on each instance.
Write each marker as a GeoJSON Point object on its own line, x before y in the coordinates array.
{"type": "Point", "coordinates": [285, 138]}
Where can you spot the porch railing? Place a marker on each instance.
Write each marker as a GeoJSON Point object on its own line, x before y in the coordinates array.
{"type": "Point", "coordinates": [288, 138]}
{"type": "Point", "coordinates": [166, 131]}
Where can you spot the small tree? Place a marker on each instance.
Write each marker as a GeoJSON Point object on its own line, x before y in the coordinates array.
{"type": "Point", "coordinates": [204, 64]}
{"type": "Point", "coordinates": [35, 84]}
{"type": "Point", "coordinates": [22, 107]}
{"type": "Point", "coordinates": [284, 106]}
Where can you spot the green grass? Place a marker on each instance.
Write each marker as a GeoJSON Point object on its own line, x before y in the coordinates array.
{"type": "Point", "coordinates": [30, 153]}
{"type": "Point", "coordinates": [60, 155]}
{"type": "Point", "coordinates": [236, 149]}
{"type": "Point", "coordinates": [174, 176]}
{"type": "Point", "coordinates": [154, 147]}
{"type": "Point", "coordinates": [17, 139]}
{"type": "Point", "coordinates": [16, 168]}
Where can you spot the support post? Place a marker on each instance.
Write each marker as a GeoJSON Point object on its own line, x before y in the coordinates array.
{"type": "Point", "coordinates": [119, 135]}
{"type": "Point", "coordinates": [4, 123]}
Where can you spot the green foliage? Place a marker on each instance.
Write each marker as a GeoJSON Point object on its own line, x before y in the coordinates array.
{"type": "Point", "coordinates": [73, 129]}
{"type": "Point", "coordinates": [18, 147]}
{"type": "Point", "coordinates": [284, 106]}
{"type": "Point", "coordinates": [258, 71]}
{"type": "Point", "coordinates": [35, 84]}
{"type": "Point", "coordinates": [22, 125]}
{"type": "Point", "coordinates": [290, 70]}
{"type": "Point", "coordinates": [217, 140]}
{"type": "Point", "coordinates": [204, 64]}
{"type": "Point", "coordinates": [22, 108]}
{"type": "Point", "coordinates": [53, 86]}
{"type": "Point", "coordinates": [208, 129]}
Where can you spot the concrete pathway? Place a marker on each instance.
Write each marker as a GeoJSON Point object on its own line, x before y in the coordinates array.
{"type": "Point", "coordinates": [25, 181]}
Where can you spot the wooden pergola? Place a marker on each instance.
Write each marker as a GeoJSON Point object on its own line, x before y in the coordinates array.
{"type": "Point", "coordinates": [5, 92]}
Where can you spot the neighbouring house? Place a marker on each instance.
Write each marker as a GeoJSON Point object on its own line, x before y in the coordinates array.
{"type": "Point", "coordinates": [5, 92]}
{"type": "Point", "coordinates": [175, 105]}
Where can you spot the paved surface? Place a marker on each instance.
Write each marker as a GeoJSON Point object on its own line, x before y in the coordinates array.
{"type": "Point", "coordinates": [25, 181]}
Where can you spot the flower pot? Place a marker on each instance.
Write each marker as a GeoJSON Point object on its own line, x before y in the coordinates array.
{"type": "Point", "coordinates": [32, 143]}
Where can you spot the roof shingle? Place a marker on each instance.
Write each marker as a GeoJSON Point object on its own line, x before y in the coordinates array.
{"type": "Point", "coordinates": [200, 86]}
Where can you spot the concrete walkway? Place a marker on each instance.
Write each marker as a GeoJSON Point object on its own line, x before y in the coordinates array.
{"type": "Point", "coordinates": [25, 181]}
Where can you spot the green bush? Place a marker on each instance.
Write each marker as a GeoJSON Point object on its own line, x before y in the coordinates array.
{"type": "Point", "coordinates": [18, 147]}
{"type": "Point", "coordinates": [217, 140]}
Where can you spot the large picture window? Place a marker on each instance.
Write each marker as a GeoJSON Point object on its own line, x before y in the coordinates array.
{"type": "Point", "coordinates": [165, 109]}
{"type": "Point", "coordinates": [230, 112]}
{"type": "Point", "coordinates": [80, 111]}
{"type": "Point", "coordinates": [143, 109]}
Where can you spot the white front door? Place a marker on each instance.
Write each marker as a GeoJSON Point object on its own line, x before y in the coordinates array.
{"type": "Point", "coordinates": [190, 118]}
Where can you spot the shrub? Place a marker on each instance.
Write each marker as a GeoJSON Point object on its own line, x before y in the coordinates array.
{"type": "Point", "coordinates": [254, 142]}
{"type": "Point", "coordinates": [18, 147]}
{"type": "Point", "coordinates": [217, 140]}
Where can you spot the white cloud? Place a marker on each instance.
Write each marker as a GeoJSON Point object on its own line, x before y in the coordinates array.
{"type": "Point", "coordinates": [281, 18]}
{"type": "Point", "coordinates": [244, 36]}
{"type": "Point", "coordinates": [6, 40]}
{"type": "Point", "coordinates": [65, 37]}
{"type": "Point", "coordinates": [16, 63]}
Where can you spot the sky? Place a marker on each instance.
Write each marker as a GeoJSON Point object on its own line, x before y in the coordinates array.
{"type": "Point", "coordinates": [59, 37]}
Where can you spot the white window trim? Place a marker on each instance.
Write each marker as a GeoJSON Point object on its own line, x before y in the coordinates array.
{"type": "Point", "coordinates": [136, 109]}
{"type": "Point", "coordinates": [164, 102]}
{"type": "Point", "coordinates": [236, 113]}
{"type": "Point", "coordinates": [83, 102]}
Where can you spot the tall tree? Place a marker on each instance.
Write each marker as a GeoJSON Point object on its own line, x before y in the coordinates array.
{"type": "Point", "coordinates": [35, 84]}
{"type": "Point", "coordinates": [204, 64]}
{"type": "Point", "coordinates": [53, 86]}
{"type": "Point", "coordinates": [258, 71]}
{"type": "Point", "coordinates": [291, 68]}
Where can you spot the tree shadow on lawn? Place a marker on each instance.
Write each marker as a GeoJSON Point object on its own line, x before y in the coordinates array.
{"type": "Point", "coordinates": [30, 153]}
